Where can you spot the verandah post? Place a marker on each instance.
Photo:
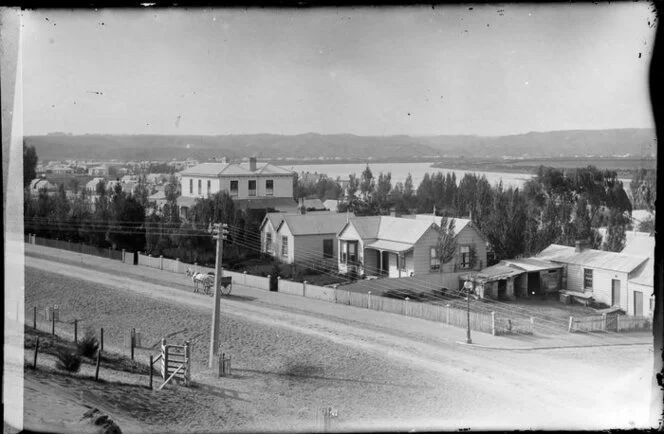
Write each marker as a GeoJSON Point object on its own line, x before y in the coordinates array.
{"type": "Point", "coordinates": [493, 323]}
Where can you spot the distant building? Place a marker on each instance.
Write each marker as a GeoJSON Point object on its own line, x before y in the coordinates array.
{"type": "Point", "coordinates": [40, 184]}
{"type": "Point", "coordinates": [246, 182]}
{"type": "Point", "coordinates": [101, 170]}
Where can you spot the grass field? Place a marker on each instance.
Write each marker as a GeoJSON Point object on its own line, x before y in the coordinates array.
{"type": "Point", "coordinates": [279, 377]}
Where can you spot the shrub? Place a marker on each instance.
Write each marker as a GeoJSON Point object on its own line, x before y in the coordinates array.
{"type": "Point", "coordinates": [88, 346]}
{"type": "Point", "coordinates": [68, 361]}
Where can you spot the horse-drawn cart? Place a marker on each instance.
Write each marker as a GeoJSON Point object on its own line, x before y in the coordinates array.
{"type": "Point", "coordinates": [207, 281]}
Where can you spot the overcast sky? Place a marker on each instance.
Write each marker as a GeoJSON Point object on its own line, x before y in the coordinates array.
{"type": "Point", "coordinates": [418, 71]}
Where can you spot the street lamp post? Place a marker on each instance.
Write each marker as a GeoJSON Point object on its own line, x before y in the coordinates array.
{"type": "Point", "coordinates": [468, 286]}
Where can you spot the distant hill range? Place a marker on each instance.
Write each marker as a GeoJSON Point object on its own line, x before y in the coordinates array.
{"type": "Point", "coordinates": [58, 146]}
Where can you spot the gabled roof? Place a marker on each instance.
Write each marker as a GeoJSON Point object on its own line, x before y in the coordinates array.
{"type": "Point", "coordinates": [645, 275]}
{"type": "Point", "coordinates": [531, 264]}
{"type": "Point", "coordinates": [230, 169]}
{"type": "Point", "coordinates": [639, 243]}
{"type": "Point", "coordinates": [592, 258]}
{"type": "Point", "coordinates": [459, 223]}
{"type": "Point", "coordinates": [314, 224]}
{"type": "Point", "coordinates": [313, 203]}
{"type": "Point", "coordinates": [331, 204]}
{"type": "Point", "coordinates": [402, 230]}
{"type": "Point", "coordinates": [366, 227]}
{"type": "Point", "coordinates": [273, 217]}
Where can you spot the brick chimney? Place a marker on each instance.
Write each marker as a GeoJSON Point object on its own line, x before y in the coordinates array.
{"type": "Point", "coordinates": [252, 164]}
{"type": "Point", "coordinates": [580, 246]}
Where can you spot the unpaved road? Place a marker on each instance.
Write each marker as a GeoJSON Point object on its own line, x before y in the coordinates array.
{"type": "Point", "coordinates": [566, 389]}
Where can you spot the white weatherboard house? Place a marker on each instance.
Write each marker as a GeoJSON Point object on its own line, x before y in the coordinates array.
{"type": "Point", "coordinates": [387, 246]}
{"type": "Point", "coordinates": [602, 275]}
{"type": "Point", "coordinates": [309, 238]}
{"type": "Point", "coordinates": [640, 286]}
{"type": "Point", "coordinates": [301, 238]}
{"type": "Point", "coordinates": [244, 182]}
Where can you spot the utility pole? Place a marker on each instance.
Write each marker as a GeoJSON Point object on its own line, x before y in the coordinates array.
{"type": "Point", "coordinates": [220, 231]}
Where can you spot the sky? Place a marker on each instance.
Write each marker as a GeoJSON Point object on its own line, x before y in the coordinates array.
{"type": "Point", "coordinates": [485, 71]}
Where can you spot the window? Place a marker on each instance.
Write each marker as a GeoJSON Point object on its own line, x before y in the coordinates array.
{"type": "Point", "coordinates": [587, 278]}
{"type": "Point", "coordinates": [342, 252]}
{"type": "Point", "coordinates": [352, 253]}
{"type": "Point", "coordinates": [328, 249]}
{"type": "Point", "coordinates": [209, 184]}
{"type": "Point", "coordinates": [268, 242]}
{"type": "Point", "coordinates": [252, 188]}
{"type": "Point", "coordinates": [269, 187]}
{"type": "Point", "coordinates": [234, 188]}
{"type": "Point", "coordinates": [284, 246]}
{"type": "Point", "coordinates": [434, 260]}
{"type": "Point", "coordinates": [465, 256]}
{"type": "Point", "coordinates": [200, 183]}
{"type": "Point", "coordinates": [191, 186]}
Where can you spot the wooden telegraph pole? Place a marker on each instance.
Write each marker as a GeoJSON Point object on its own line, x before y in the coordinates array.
{"type": "Point", "coordinates": [220, 231]}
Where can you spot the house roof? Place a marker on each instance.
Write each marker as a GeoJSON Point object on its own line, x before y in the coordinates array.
{"type": "Point", "coordinates": [639, 243]}
{"type": "Point", "coordinates": [645, 275]}
{"type": "Point", "coordinates": [313, 203]}
{"type": "Point", "coordinates": [592, 258]}
{"type": "Point", "coordinates": [230, 169]}
{"type": "Point", "coordinates": [314, 224]}
{"type": "Point", "coordinates": [495, 272]}
{"type": "Point", "coordinates": [531, 264]}
{"type": "Point", "coordinates": [392, 246]}
{"type": "Point", "coordinates": [366, 227]}
{"type": "Point", "coordinates": [159, 195]}
{"type": "Point", "coordinates": [459, 223]}
{"type": "Point", "coordinates": [186, 201]}
{"type": "Point", "coordinates": [402, 230]}
{"type": "Point", "coordinates": [331, 204]}
{"type": "Point", "coordinates": [273, 217]}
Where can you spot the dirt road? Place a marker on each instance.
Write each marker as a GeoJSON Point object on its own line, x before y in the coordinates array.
{"type": "Point", "coordinates": [593, 388]}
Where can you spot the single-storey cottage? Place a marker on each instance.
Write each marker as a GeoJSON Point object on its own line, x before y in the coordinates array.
{"type": "Point", "coordinates": [602, 275]}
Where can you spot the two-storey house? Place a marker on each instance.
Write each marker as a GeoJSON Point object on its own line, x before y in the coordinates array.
{"type": "Point", "coordinates": [251, 185]}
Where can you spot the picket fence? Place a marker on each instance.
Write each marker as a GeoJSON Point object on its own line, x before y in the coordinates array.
{"type": "Point", "coordinates": [634, 323]}
{"type": "Point", "coordinates": [604, 323]}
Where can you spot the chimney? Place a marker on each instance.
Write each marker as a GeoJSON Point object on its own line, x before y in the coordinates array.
{"type": "Point", "coordinates": [252, 164]}
{"type": "Point", "coordinates": [579, 246]}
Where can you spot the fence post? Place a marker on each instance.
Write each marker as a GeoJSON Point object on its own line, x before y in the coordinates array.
{"type": "Point", "coordinates": [603, 322]}
{"type": "Point", "coordinates": [133, 337]}
{"type": "Point", "coordinates": [348, 297]}
{"type": "Point", "coordinates": [53, 322]}
{"type": "Point", "coordinates": [123, 255]}
{"type": "Point", "coordinates": [304, 288]}
{"type": "Point", "coordinates": [493, 323]}
{"type": "Point", "coordinates": [278, 283]}
{"type": "Point", "coordinates": [571, 324]}
{"type": "Point", "coordinates": [151, 362]}
{"type": "Point", "coordinates": [161, 262]}
{"type": "Point", "coordinates": [405, 306]}
{"type": "Point", "coordinates": [447, 308]}
{"type": "Point", "coordinates": [532, 324]}
{"type": "Point", "coordinates": [34, 317]}
{"type": "Point", "coordinates": [101, 339]}
{"type": "Point", "coordinates": [244, 277]}
{"type": "Point", "coordinates": [34, 363]}
{"type": "Point", "coordinates": [368, 299]}
{"type": "Point", "coordinates": [75, 331]}
{"type": "Point", "coordinates": [98, 362]}
{"type": "Point", "coordinates": [187, 362]}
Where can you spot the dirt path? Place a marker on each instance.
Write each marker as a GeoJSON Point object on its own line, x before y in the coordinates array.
{"type": "Point", "coordinates": [534, 389]}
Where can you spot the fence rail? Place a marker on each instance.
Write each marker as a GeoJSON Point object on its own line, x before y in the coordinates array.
{"type": "Point", "coordinates": [634, 323]}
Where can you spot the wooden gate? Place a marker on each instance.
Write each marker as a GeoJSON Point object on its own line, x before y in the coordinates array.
{"type": "Point", "coordinates": [175, 362]}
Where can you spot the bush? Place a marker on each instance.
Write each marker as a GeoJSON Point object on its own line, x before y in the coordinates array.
{"type": "Point", "coordinates": [68, 361]}
{"type": "Point", "coordinates": [88, 346]}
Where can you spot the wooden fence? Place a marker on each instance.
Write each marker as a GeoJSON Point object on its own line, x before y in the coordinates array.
{"type": "Point", "coordinates": [595, 323]}
{"type": "Point", "coordinates": [634, 323]}
{"type": "Point", "coordinates": [77, 247]}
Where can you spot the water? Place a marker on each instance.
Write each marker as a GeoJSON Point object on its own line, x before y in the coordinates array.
{"type": "Point", "coordinates": [400, 172]}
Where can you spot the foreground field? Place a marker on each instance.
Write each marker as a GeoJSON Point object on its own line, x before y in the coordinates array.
{"type": "Point", "coordinates": [287, 363]}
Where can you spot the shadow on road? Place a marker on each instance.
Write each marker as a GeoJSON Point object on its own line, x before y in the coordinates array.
{"type": "Point", "coordinates": [296, 376]}
{"type": "Point", "coordinates": [218, 391]}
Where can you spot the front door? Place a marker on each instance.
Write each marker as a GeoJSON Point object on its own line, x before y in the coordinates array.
{"type": "Point", "coordinates": [638, 303]}
{"type": "Point", "coordinates": [615, 292]}
{"type": "Point", "coordinates": [386, 263]}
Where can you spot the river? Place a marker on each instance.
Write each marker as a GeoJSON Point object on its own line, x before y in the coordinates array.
{"type": "Point", "coordinates": [400, 171]}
